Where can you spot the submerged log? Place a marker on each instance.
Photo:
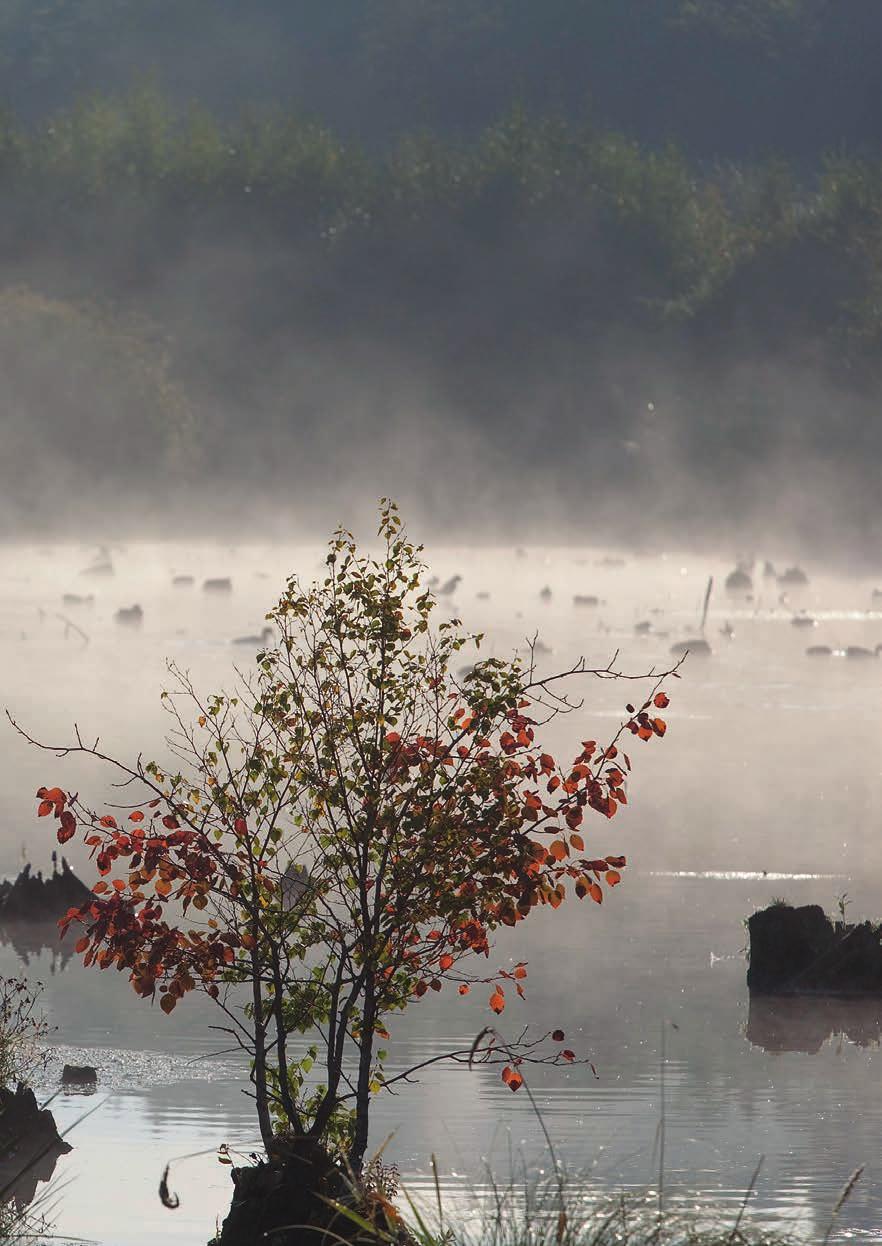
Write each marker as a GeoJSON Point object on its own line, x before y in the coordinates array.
{"type": "Point", "coordinates": [800, 951]}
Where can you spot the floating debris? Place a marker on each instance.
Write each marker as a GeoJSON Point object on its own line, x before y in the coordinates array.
{"type": "Point", "coordinates": [183, 581]}
{"type": "Point", "coordinates": [221, 584]}
{"type": "Point", "coordinates": [585, 599]}
{"type": "Point", "coordinates": [795, 577]}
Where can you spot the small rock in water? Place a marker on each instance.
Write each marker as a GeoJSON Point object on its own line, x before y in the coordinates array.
{"type": "Point", "coordinates": [221, 584]}
{"type": "Point", "coordinates": [643, 628]}
{"type": "Point", "coordinates": [858, 653]}
{"type": "Point", "coordinates": [263, 639]}
{"type": "Point", "coordinates": [183, 581]}
{"type": "Point", "coordinates": [803, 620]}
{"type": "Point", "coordinates": [79, 1075]}
{"type": "Point", "coordinates": [545, 594]}
{"type": "Point", "coordinates": [698, 648]}
{"type": "Point", "coordinates": [483, 596]}
{"type": "Point", "coordinates": [585, 599]}
{"type": "Point", "coordinates": [819, 651]}
{"type": "Point", "coordinates": [76, 599]}
{"type": "Point", "coordinates": [793, 576]}
{"type": "Point", "coordinates": [738, 581]}
{"type": "Point", "coordinates": [130, 615]}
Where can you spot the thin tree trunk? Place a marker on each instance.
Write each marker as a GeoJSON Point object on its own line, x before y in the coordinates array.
{"type": "Point", "coordinates": [260, 1087]}
{"type": "Point", "coordinates": [363, 1089]}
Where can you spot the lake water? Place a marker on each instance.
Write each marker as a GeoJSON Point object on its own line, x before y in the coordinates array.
{"type": "Point", "coordinates": [767, 784]}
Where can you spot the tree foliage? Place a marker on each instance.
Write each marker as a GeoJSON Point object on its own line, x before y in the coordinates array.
{"type": "Point", "coordinates": [346, 834]}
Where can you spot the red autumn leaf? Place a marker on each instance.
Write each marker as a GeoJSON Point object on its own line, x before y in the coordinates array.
{"type": "Point", "coordinates": [99, 888]}
{"type": "Point", "coordinates": [661, 701]}
{"type": "Point", "coordinates": [240, 826]}
{"type": "Point", "coordinates": [68, 827]}
{"type": "Point", "coordinates": [167, 1003]}
{"type": "Point", "coordinates": [512, 1078]}
{"type": "Point", "coordinates": [54, 794]}
{"type": "Point", "coordinates": [163, 888]}
{"type": "Point", "coordinates": [445, 961]}
{"type": "Point", "coordinates": [617, 863]}
{"type": "Point", "coordinates": [613, 878]}
{"type": "Point", "coordinates": [464, 988]}
{"type": "Point", "coordinates": [497, 1001]}
{"type": "Point", "coordinates": [659, 726]}
{"type": "Point", "coordinates": [82, 944]}
{"type": "Point", "coordinates": [558, 850]}
{"type": "Point", "coordinates": [119, 885]}
{"type": "Point", "coordinates": [44, 807]}
{"type": "Point", "coordinates": [392, 737]}
{"type": "Point", "coordinates": [170, 822]}
{"type": "Point", "coordinates": [558, 1035]}
{"type": "Point", "coordinates": [107, 820]}
{"type": "Point", "coordinates": [137, 816]}
{"type": "Point", "coordinates": [595, 893]}
{"type": "Point", "coordinates": [520, 971]}
{"type": "Point", "coordinates": [567, 1054]}
{"type": "Point", "coordinates": [577, 842]}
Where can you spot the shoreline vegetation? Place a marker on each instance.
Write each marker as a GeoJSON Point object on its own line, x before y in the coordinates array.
{"type": "Point", "coordinates": [181, 266]}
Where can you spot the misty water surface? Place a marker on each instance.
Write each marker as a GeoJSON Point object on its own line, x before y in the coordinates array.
{"type": "Point", "coordinates": [766, 785]}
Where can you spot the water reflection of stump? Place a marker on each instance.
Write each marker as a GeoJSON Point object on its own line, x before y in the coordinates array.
{"type": "Point", "coordinates": [29, 1146]}
{"type": "Point", "coordinates": [803, 1023]}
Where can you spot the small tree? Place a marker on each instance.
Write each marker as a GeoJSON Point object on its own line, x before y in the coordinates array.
{"type": "Point", "coordinates": [345, 835]}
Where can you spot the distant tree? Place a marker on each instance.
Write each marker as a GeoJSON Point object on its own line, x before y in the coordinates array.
{"type": "Point", "coordinates": [349, 830]}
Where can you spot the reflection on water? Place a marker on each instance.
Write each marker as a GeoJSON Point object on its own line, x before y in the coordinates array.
{"type": "Point", "coordinates": [734, 809]}
{"type": "Point", "coordinates": [793, 1023]}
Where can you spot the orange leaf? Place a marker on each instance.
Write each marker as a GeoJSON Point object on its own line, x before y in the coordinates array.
{"type": "Point", "coordinates": [119, 885]}
{"type": "Point", "coordinates": [163, 888]}
{"type": "Point", "coordinates": [497, 1001]}
{"type": "Point", "coordinates": [107, 820]}
{"type": "Point", "coordinates": [661, 701]}
{"type": "Point", "coordinates": [558, 850]}
{"type": "Point", "coordinates": [137, 816]}
{"type": "Point", "coordinates": [44, 807]}
{"type": "Point", "coordinates": [464, 989]}
{"type": "Point", "coordinates": [167, 1003]}
{"type": "Point", "coordinates": [82, 944]}
{"type": "Point", "coordinates": [68, 827]}
{"type": "Point", "coordinates": [613, 878]}
{"type": "Point", "coordinates": [577, 842]}
{"type": "Point", "coordinates": [445, 961]}
{"type": "Point", "coordinates": [595, 893]}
